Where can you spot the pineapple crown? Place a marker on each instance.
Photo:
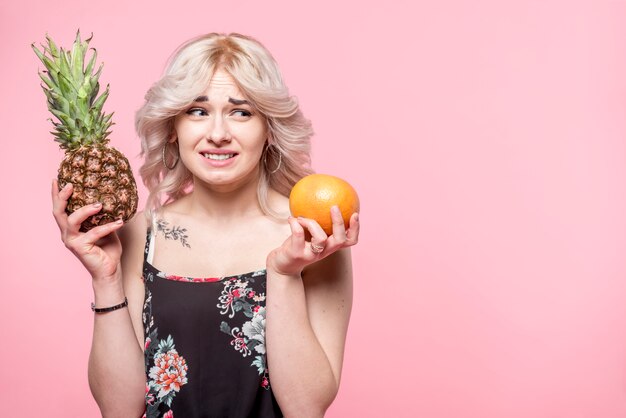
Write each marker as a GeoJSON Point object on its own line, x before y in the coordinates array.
{"type": "Point", "coordinates": [72, 92]}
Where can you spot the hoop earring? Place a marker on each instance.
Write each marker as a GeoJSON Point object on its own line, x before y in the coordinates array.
{"type": "Point", "coordinates": [163, 157]}
{"type": "Point", "coordinates": [280, 159]}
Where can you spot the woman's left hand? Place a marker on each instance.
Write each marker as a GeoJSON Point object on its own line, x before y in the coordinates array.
{"type": "Point", "coordinates": [296, 252]}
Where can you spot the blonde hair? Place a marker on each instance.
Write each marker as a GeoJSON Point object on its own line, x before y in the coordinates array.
{"type": "Point", "coordinates": [257, 75]}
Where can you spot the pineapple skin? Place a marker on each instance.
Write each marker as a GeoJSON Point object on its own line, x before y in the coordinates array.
{"type": "Point", "coordinates": [99, 173]}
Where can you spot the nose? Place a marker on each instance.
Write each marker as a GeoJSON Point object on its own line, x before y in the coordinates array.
{"type": "Point", "coordinates": [218, 131]}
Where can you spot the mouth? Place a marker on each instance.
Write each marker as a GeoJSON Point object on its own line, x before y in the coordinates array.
{"type": "Point", "coordinates": [217, 157]}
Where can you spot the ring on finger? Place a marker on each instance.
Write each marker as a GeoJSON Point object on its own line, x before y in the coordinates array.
{"type": "Point", "coordinates": [316, 249]}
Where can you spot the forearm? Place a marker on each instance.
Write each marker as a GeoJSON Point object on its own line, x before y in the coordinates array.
{"type": "Point", "coordinates": [116, 366]}
{"type": "Point", "coordinates": [300, 372]}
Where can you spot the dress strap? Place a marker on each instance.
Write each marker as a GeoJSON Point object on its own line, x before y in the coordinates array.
{"type": "Point", "coordinates": [150, 238]}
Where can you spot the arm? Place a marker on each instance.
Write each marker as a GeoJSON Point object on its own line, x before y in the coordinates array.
{"type": "Point", "coordinates": [116, 365]}
{"type": "Point", "coordinates": [308, 310]}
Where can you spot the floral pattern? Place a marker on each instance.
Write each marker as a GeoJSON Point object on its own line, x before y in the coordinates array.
{"type": "Point", "coordinates": [169, 372]}
{"type": "Point", "coordinates": [249, 339]}
{"type": "Point", "coordinates": [167, 369]}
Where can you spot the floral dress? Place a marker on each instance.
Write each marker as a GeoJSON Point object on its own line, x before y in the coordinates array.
{"type": "Point", "coordinates": [205, 346]}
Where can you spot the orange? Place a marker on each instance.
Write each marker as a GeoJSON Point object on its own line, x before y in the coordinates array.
{"type": "Point", "coordinates": [314, 195]}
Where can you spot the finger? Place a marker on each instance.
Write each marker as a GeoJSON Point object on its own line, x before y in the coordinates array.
{"type": "Point", "coordinates": [339, 227]}
{"type": "Point", "coordinates": [55, 188]}
{"type": "Point", "coordinates": [314, 228]}
{"type": "Point", "coordinates": [353, 231]}
{"type": "Point", "coordinates": [297, 235]}
{"type": "Point", "coordinates": [318, 236]}
{"type": "Point", "coordinates": [97, 233]}
{"type": "Point", "coordinates": [60, 197]}
{"type": "Point", "coordinates": [59, 202]}
{"type": "Point", "coordinates": [80, 215]}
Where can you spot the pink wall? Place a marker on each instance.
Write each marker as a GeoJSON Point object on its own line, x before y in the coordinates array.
{"type": "Point", "coordinates": [487, 141]}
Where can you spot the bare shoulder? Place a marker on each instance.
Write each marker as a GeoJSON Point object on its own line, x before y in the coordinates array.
{"type": "Point", "coordinates": [133, 238]}
{"type": "Point", "coordinates": [137, 224]}
{"type": "Point", "coordinates": [279, 203]}
{"type": "Point", "coordinates": [280, 226]}
{"type": "Point", "coordinates": [133, 235]}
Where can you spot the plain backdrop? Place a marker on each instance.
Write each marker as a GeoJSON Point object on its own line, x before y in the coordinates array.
{"type": "Point", "coordinates": [487, 140]}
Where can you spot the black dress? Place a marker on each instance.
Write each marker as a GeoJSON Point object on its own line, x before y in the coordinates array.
{"type": "Point", "coordinates": [205, 346]}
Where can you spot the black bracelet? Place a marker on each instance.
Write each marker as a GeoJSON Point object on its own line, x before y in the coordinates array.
{"type": "Point", "coordinates": [110, 308]}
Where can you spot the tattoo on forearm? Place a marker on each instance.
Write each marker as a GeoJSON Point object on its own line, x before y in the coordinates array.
{"type": "Point", "coordinates": [176, 232]}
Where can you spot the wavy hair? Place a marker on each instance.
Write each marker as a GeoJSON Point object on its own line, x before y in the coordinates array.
{"type": "Point", "coordinates": [257, 75]}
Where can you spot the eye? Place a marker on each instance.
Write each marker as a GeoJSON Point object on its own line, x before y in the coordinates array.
{"type": "Point", "coordinates": [197, 111]}
{"type": "Point", "coordinates": [241, 113]}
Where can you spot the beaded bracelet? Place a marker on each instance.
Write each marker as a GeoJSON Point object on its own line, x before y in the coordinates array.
{"type": "Point", "coordinates": [110, 308]}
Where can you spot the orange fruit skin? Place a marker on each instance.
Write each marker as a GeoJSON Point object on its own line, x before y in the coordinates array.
{"type": "Point", "coordinates": [314, 195]}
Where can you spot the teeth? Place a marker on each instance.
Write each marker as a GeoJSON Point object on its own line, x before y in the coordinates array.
{"type": "Point", "coordinates": [218, 156]}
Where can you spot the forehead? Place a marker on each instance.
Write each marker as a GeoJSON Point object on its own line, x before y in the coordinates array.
{"type": "Point", "coordinates": [222, 86]}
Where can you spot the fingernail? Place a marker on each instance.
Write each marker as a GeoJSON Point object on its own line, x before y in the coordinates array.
{"type": "Point", "coordinates": [67, 186]}
{"type": "Point", "coordinates": [335, 209]}
{"type": "Point", "coordinates": [97, 205]}
{"type": "Point", "coordinates": [356, 217]}
{"type": "Point", "coordinates": [119, 222]}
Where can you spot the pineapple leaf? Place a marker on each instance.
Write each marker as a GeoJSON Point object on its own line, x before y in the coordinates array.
{"type": "Point", "coordinates": [47, 62]}
{"type": "Point", "coordinates": [77, 60]}
{"type": "Point", "coordinates": [96, 76]}
{"type": "Point", "coordinates": [85, 88]}
{"type": "Point", "coordinates": [63, 118]}
{"type": "Point", "coordinates": [74, 111]}
{"type": "Point", "coordinates": [99, 102]}
{"type": "Point", "coordinates": [94, 94]}
{"type": "Point", "coordinates": [64, 64]}
{"type": "Point", "coordinates": [67, 87]}
{"type": "Point", "coordinates": [46, 80]}
{"type": "Point", "coordinates": [54, 50]}
{"type": "Point", "coordinates": [53, 77]}
{"type": "Point", "coordinates": [71, 87]}
{"type": "Point", "coordinates": [88, 120]}
{"type": "Point", "coordinates": [107, 119]}
{"type": "Point", "coordinates": [82, 92]}
{"type": "Point", "coordinates": [59, 101]}
{"type": "Point", "coordinates": [91, 63]}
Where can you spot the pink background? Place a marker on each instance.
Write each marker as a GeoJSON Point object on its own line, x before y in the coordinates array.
{"type": "Point", "coordinates": [486, 139]}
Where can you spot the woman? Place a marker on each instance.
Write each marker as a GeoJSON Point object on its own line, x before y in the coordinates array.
{"type": "Point", "coordinates": [233, 308]}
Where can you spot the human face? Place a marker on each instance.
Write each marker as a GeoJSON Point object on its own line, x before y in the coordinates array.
{"type": "Point", "coordinates": [221, 136]}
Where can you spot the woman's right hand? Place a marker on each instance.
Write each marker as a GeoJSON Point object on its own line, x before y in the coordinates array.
{"type": "Point", "coordinates": [99, 249]}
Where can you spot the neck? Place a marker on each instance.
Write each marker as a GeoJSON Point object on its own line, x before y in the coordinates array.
{"type": "Point", "coordinates": [225, 202]}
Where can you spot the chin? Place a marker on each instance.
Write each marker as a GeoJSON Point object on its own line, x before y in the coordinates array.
{"type": "Point", "coordinates": [225, 179]}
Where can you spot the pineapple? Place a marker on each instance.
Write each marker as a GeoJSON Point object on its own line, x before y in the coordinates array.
{"type": "Point", "coordinates": [98, 172]}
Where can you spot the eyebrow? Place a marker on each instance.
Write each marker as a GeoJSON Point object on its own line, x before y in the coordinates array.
{"type": "Point", "coordinates": [237, 102]}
